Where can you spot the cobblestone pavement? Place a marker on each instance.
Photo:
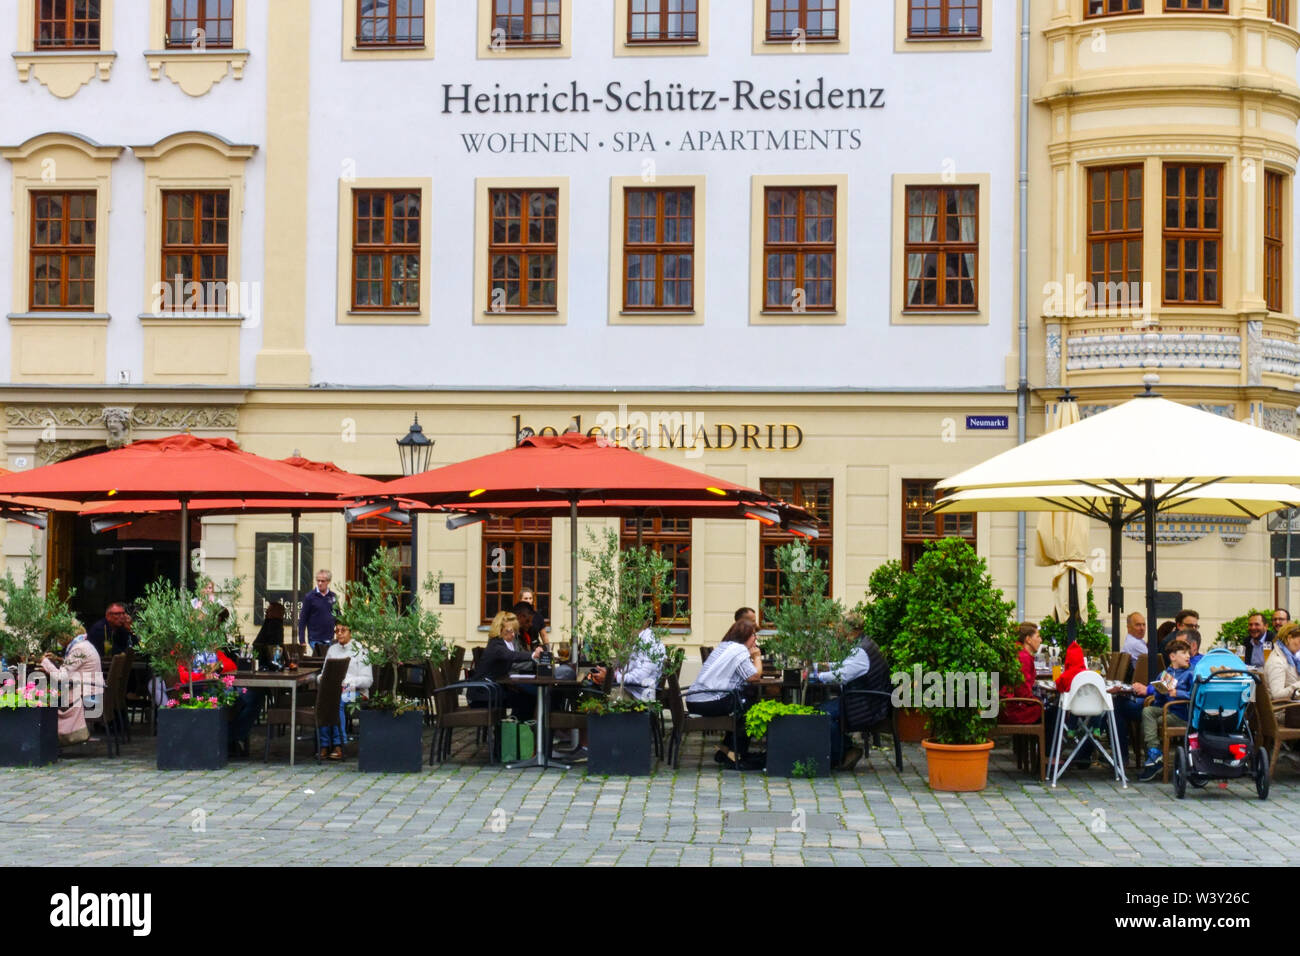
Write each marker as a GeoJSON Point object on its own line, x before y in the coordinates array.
{"type": "Point", "coordinates": [467, 813]}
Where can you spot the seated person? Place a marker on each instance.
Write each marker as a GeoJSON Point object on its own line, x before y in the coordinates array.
{"type": "Point", "coordinates": [1130, 706]}
{"type": "Point", "coordinates": [641, 679]}
{"type": "Point", "coordinates": [863, 669]}
{"type": "Point", "coordinates": [271, 635]}
{"type": "Point", "coordinates": [77, 679]}
{"type": "Point", "coordinates": [499, 657]}
{"type": "Point", "coordinates": [1019, 712]}
{"type": "Point", "coordinates": [1175, 683]}
{"type": "Point", "coordinates": [356, 683]}
{"type": "Point", "coordinates": [1075, 664]}
{"type": "Point", "coordinates": [732, 663]}
{"type": "Point", "coordinates": [1193, 638]}
{"type": "Point", "coordinates": [1256, 640]}
{"type": "Point", "coordinates": [1282, 669]}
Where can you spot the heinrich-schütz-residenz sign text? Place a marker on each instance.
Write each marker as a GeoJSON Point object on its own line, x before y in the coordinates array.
{"type": "Point", "coordinates": [657, 99]}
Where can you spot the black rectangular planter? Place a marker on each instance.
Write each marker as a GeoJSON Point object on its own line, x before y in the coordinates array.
{"type": "Point", "coordinates": [192, 739]}
{"type": "Point", "coordinates": [618, 745]}
{"type": "Point", "coordinates": [798, 738]}
{"type": "Point", "coordinates": [29, 736]}
{"type": "Point", "coordinates": [391, 744]}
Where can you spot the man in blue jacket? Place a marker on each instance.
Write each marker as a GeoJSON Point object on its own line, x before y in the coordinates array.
{"type": "Point", "coordinates": [1174, 684]}
{"type": "Point", "coordinates": [316, 622]}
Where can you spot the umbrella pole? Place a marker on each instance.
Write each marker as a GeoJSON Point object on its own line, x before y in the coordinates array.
{"type": "Point", "coordinates": [573, 576]}
{"type": "Point", "coordinates": [1072, 628]}
{"type": "Point", "coordinates": [1149, 519]}
{"type": "Point", "coordinates": [185, 541]}
{"type": "Point", "coordinates": [297, 571]}
{"type": "Point", "coordinates": [1116, 587]}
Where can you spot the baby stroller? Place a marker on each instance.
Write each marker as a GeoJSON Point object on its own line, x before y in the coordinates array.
{"type": "Point", "coordinates": [1219, 744]}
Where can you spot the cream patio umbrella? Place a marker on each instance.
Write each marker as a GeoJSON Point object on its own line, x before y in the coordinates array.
{"type": "Point", "coordinates": [1125, 453]}
{"type": "Point", "coordinates": [1061, 541]}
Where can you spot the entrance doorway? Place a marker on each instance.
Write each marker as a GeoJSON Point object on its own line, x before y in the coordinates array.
{"type": "Point", "coordinates": [367, 536]}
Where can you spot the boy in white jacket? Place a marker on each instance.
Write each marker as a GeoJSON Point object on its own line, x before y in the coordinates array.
{"type": "Point", "coordinates": [356, 683]}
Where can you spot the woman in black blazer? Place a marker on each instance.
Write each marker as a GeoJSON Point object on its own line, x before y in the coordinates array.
{"type": "Point", "coordinates": [500, 653]}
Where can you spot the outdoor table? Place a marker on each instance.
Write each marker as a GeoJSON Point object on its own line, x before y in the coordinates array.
{"type": "Point", "coordinates": [278, 680]}
{"type": "Point", "coordinates": [544, 686]}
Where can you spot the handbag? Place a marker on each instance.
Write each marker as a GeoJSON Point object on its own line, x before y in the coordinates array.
{"type": "Point", "coordinates": [518, 740]}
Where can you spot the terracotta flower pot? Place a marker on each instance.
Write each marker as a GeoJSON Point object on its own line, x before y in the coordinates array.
{"type": "Point", "coordinates": [912, 726]}
{"type": "Point", "coordinates": [958, 768]}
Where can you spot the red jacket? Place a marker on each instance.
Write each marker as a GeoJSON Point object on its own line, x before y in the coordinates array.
{"type": "Point", "coordinates": [1020, 713]}
{"type": "Point", "coordinates": [225, 663]}
{"type": "Point", "coordinates": [1073, 665]}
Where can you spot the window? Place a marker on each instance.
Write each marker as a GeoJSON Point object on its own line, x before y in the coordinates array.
{"type": "Point", "coordinates": [942, 247]}
{"type": "Point", "coordinates": [1196, 6]}
{"type": "Point", "coordinates": [386, 250]}
{"type": "Point", "coordinates": [67, 24]}
{"type": "Point", "coordinates": [814, 495]}
{"type": "Point", "coordinates": [1110, 8]}
{"type": "Point", "coordinates": [196, 246]}
{"type": "Point", "coordinates": [366, 536]}
{"type": "Point", "coordinates": [516, 555]}
{"type": "Point", "coordinates": [919, 528]}
{"type": "Point", "coordinates": [524, 249]}
{"type": "Point", "coordinates": [662, 21]}
{"type": "Point", "coordinates": [943, 18]}
{"type": "Point", "coordinates": [799, 249]}
{"type": "Point", "coordinates": [1114, 236]}
{"type": "Point", "coordinates": [63, 251]}
{"type": "Point", "coordinates": [201, 24]}
{"type": "Point", "coordinates": [1193, 233]}
{"type": "Point", "coordinates": [806, 19]}
{"type": "Point", "coordinates": [1273, 244]}
{"type": "Point", "coordinates": [524, 22]}
{"type": "Point", "coordinates": [382, 23]}
{"type": "Point", "coordinates": [658, 249]}
{"type": "Point", "coordinates": [670, 538]}
{"type": "Point", "coordinates": [1280, 10]}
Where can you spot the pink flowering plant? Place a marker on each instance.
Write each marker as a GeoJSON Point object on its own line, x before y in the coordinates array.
{"type": "Point", "coordinates": [31, 695]}
{"type": "Point", "coordinates": [209, 699]}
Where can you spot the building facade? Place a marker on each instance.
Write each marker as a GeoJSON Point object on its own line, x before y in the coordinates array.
{"type": "Point", "coordinates": [780, 236]}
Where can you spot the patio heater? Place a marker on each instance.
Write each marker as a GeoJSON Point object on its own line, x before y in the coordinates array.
{"type": "Point", "coordinates": [415, 449]}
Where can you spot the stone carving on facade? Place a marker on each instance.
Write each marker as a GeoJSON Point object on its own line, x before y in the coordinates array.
{"type": "Point", "coordinates": [118, 423]}
{"type": "Point", "coordinates": [1254, 352]}
{"type": "Point", "coordinates": [1207, 350]}
{"type": "Point", "coordinates": [164, 417]}
{"type": "Point", "coordinates": [1280, 420]}
{"type": "Point", "coordinates": [1181, 529]}
{"type": "Point", "coordinates": [1087, 411]}
{"type": "Point", "coordinates": [48, 452]}
{"type": "Point", "coordinates": [1281, 356]}
{"type": "Point", "coordinates": [1223, 411]}
{"type": "Point", "coordinates": [1053, 357]}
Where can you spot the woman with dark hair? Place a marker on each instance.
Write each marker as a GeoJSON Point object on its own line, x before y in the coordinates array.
{"type": "Point", "coordinates": [733, 662]}
{"type": "Point", "coordinates": [271, 634]}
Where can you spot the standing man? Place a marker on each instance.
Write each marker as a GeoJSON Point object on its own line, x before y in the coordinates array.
{"type": "Point", "coordinates": [316, 622]}
{"type": "Point", "coordinates": [111, 634]}
{"type": "Point", "coordinates": [1135, 644]}
{"type": "Point", "coordinates": [1256, 640]}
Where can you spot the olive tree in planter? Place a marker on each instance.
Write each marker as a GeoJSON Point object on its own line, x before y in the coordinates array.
{"type": "Point", "coordinates": [957, 634]}
{"type": "Point", "coordinates": [809, 629]}
{"type": "Point", "coordinates": [616, 605]}
{"type": "Point", "coordinates": [34, 623]}
{"type": "Point", "coordinates": [182, 627]}
{"type": "Point", "coordinates": [389, 636]}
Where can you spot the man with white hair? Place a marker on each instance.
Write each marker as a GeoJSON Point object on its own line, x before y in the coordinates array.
{"type": "Point", "coordinates": [316, 622]}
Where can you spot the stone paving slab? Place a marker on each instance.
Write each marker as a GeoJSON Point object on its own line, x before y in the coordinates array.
{"type": "Point", "coordinates": [469, 813]}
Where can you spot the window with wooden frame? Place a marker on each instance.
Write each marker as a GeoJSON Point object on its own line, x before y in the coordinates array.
{"type": "Point", "coordinates": [803, 19]}
{"type": "Point", "coordinates": [1280, 10]}
{"type": "Point", "coordinates": [516, 555]}
{"type": "Point", "coordinates": [366, 536]}
{"type": "Point", "coordinates": [659, 249]}
{"type": "Point", "coordinates": [201, 24]}
{"type": "Point", "coordinates": [527, 22]}
{"type": "Point", "coordinates": [196, 246]}
{"type": "Point", "coordinates": [523, 251]}
{"type": "Point", "coordinates": [1193, 233]}
{"type": "Point", "coordinates": [1274, 261]}
{"type": "Point", "coordinates": [942, 248]}
{"type": "Point", "coordinates": [62, 251]}
{"type": "Point", "coordinates": [1196, 6]}
{"type": "Point", "coordinates": [1114, 236]}
{"type": "Point", "coordinates": [799, 248]}
{"type": "Point", "coordinates": [663, 21]}
{"type": "Point", "coordinates": [814, 495]}
{"type": "Point", "coordinates": [943, 19]}
{"type": "Point", "coordinates": [67, 24]}
{"type": "Point", "coordinates": [390, 23]}
{"type": "Point", "coordinates": [1110, 8]}
{"type": "Point", "coordinates": [386, 250]}
{"type": "Point", "coordinates": [671, 539]}
{"type": "Point", "coordinates": [919, 528]}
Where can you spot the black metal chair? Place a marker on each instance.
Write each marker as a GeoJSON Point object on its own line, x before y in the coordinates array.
{"type": "Point", "coordinates": [685, 722]}
{"type": "Point", "coordinates": [450, 716]}
{"type": "Point", "coordinates": [888, 723]}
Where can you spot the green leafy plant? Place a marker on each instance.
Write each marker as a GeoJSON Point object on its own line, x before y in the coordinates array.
{"type": "Point", "coordinates": [1092, 636]}
{"type": "Point", "coordinates": [617, 600]}
{"type": "Point", "coordinates": [809, 625]}
{"type": "Point", "coordinates": [758, 717]}
{"type": "Point", "coordinates": [175, 625]}
{"type": "Point", "coordinates": [882, 614]}
{"type": "Point", "coordinates": [225, 695]}
{"type": "Point", "coordinates": [389, 634]}
{"type": "Point", "coordinates": [804, 768]}
{"type": "Point", "coordinates": [956, 622]}
{"type": "Point", "coordinates": [1236, 630]}
{"type": "Point", "coordinates": [34, 622]}
{"type": "Point", "coordinates": [599, 706]}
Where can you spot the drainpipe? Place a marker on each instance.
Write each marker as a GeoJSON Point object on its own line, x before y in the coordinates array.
{"type": "Point", "coordinates": [1022, 386]}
